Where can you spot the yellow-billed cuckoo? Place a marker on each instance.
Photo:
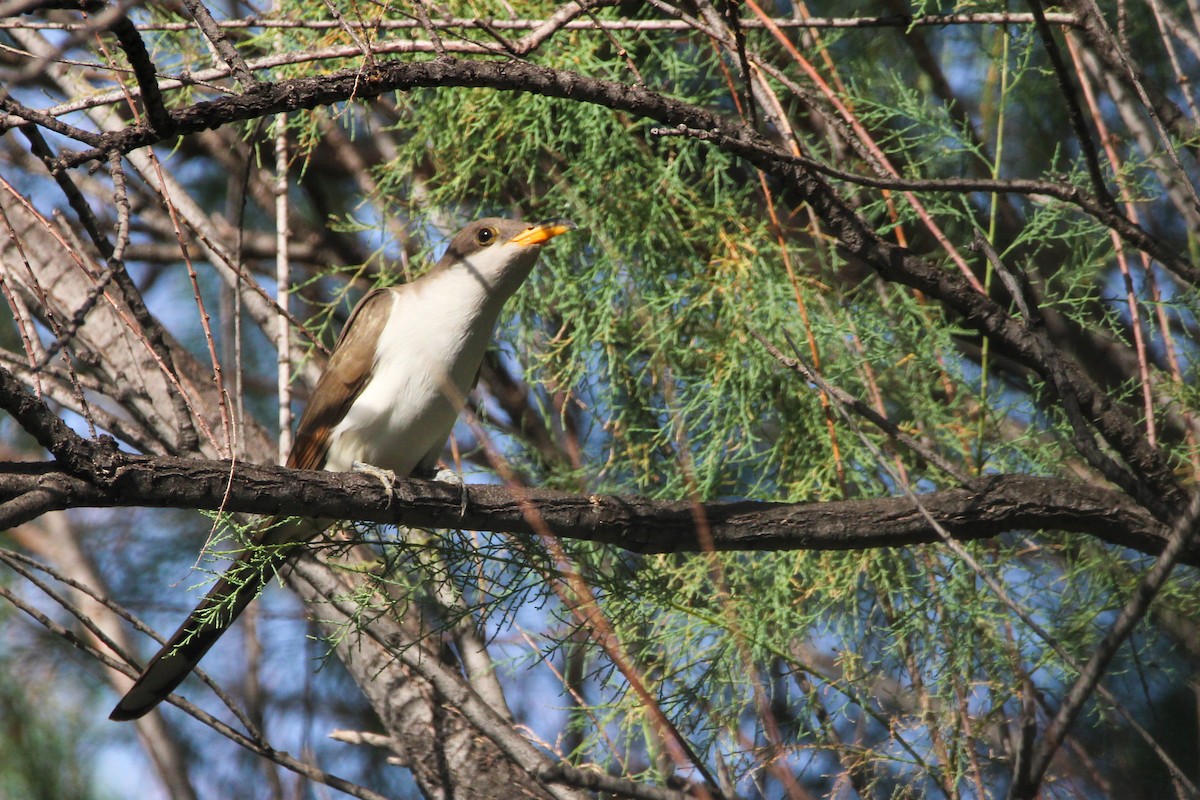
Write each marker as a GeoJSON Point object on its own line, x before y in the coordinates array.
{"type": "Point", "coordinates": [396, 380]}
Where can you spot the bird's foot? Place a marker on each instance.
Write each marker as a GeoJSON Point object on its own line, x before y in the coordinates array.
{"type": "Point", "coordinates": [451, 477]}
{"type": "Point", "coordinates": [385, 476]}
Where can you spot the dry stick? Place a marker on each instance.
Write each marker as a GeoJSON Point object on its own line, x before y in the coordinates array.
{"type": "Point", "coordinates": [42, 150]}
{"type": "Point", "coordinates": [1028, 728]}
{"type": "Point", "coordinates": [265, 308]}
{"type": "Point", "coordinates": [874, 154]}
{"type": "Point", "coordinates": [161, 743]}
{"type": "Point", "coordinates": [500, 38]}
{"type": "Point", "coordinates": [12, 108]}
{"type": "Point", "coordinates": [24, 321]}
{"type": "Point", "coordinates": [571, 684]}
{"type": "Point", "coordinates": [562, 19]}
{"type": "Point", "coordinates": [207, 77]}
{"type": "Point", "coordinates": [255, 746]}
{"type": "Point", "coordinates": [1131, 298]}
{"type": "Point", "coordinates": [25, 566]}
{"type": "Point", "coordinates": [145, 71]}
{"type": "Point", "coordinates": [101, 21]}
{"type": "Point", "coordinates": [864, 410]}
{"type": "Point", "coordinates": [624, 24]}
{"type": "Point", "coordinates": [775, 116]}
{"type": "Point", "coordinates": [1168, 26]}
{"type": "Point", "coordinates": [227, 422]}
{"type": "Point", "coordinates": [283, 274]}
{"type": "Point", "coordinates": [121, 201]}
{"type": "Point", "coordinates": [67, 332]}
{"type": "Point", "coordinates": [1074, 113]}
{"type": "Point", "coordinates": [393, 639]}
{"type": "Point", "coordinates": [575, 593]}
{"type": "Point", "coordinates": [770, 726]}
{"type": "Point", "coordinates": [617, 46]}
{"type": "Point", "coordinates": [1183, 532]}
{"type": "Point", "coordinates": [13, 558]}
{"type": "Point", "coordinates": [1148, 272]}
{"type": "Point", "coordinates": [350, 30]}
{"type": "Point", "coordinates": [1176, 27]}
{"type": "Point", "coordinates": [58, 630]}
{"type": "Point", "coordinates": [70, 450]}
{"type": "Point", "coordinates": [423, 15]}
{"type": "Point", "coordinates": [28, 568]}
{"type": "Point", "coordinates": [542, 29]}
{"type": "Point", "coordinates": [990, 581]}
{"type": "Point", "coordinates": [729, 10]}
{"type": "Point", "coordinates": [209, 27]}
{"type": "Point", "coordinates": [301, 768]}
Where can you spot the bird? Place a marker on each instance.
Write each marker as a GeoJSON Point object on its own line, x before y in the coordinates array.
{"type": "Point", "coordinates": [399, 374]}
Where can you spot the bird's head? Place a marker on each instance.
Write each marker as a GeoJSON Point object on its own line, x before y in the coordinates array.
{"type": "Point", "coordinates": [500, 252]}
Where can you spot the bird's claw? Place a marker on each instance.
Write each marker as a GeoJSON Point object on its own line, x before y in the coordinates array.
{"type": "Point", "coordinates": [385, 476]}
{"type": "Point", "coordinates": [451, 477]}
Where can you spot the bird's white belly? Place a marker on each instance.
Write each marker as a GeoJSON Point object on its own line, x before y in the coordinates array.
{"type": "Point", "coordinates": [426, 361]}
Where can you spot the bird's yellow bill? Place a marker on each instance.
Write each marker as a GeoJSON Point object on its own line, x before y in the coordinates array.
{"type": "Point", "coordinates": [543, 231]}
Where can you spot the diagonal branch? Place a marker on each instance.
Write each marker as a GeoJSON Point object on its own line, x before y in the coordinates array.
{"type": "Point", "coordinates": [143, 69]}
{"type": "Point", "coordinates": [216, 34]}
{"type": "Point", "coordinates": [1074, 111]}
{"type": "Point", "coordinates": [1183, 534]}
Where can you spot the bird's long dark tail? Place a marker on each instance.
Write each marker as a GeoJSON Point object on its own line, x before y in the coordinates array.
{"type": "Point", "coordinates": [227, 599]}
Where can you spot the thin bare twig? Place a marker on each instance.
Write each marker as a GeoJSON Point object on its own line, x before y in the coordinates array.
{"type": "Point", "coordinates": [352, 31]}
{"type": "Point", "coordinates": [216, 34]}
{"type": "Point", "coordinates": [887, 21]}
{"type": "Point", "coordinates": [423, 15]}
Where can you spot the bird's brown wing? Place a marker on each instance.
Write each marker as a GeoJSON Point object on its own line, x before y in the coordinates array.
{"type": "Point", "coordinates": [344, 378]}
{"type": "Point", "coordinates": [347, 373]}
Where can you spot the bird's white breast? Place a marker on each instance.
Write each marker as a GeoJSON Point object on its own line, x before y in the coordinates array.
{"type": "Point", "coordinates": [425, 363]}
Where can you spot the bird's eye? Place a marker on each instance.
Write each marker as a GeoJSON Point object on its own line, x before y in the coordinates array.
{"type": "Point", "coordinates": [485, 236]}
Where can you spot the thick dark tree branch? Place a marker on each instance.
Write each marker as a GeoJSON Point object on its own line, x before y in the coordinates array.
{"type": "Point", "coordinates": [73, 452]}
{"type": "Point", "coordinates": [998, 504]}
{"type": "Point", "coordinates": [147, 76]}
